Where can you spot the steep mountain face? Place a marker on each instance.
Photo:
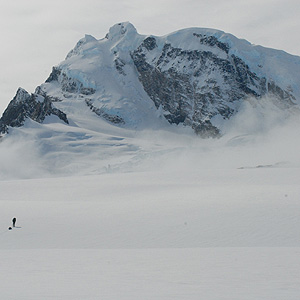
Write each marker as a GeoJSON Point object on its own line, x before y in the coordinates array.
{"type": "Point", "coordinates": [193, 86]}
{"type": "Point", "coordinates": [194, 77]}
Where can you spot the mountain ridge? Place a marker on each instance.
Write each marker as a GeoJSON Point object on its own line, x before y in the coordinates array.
{"type": "Point", "coordinates": [191, 77]}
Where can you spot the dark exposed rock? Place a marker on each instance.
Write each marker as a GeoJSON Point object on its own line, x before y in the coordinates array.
{"type": "Point", "coordinates": [54, 75]}
{"type": "Point", "coordinates": [280, 94]}
{"type": "Point", "coordinates": [41, 92]}
{"type": "Point", "coordinates": [212, 41]}
{"type": "Point", "coordinates": [70, 85]}
{"type": "Point", "coordinates": [24, 105]}
{"type": "Point", "coordinates": [193, 86]}
{"type": "Point", "coordinates": [119, 64]}
{"type": "Point", "coordinates": [150, 43]}
{"type": "Point", "coordinates": [87, 91]}
{"type": "Point", "coordinates": [115, 119]}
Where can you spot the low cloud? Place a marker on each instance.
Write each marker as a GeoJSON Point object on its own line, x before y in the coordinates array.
{"type": "Point", "coordinates": [261, 134]}
{"type": "Point", "coordinates": [19, 159]}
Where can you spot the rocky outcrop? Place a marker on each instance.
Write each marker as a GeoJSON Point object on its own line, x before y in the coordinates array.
{"type": "Point", "coordinates": [114, 119]}
{"type": "Point", "coordinates": [24, 105]}
{"type": "Point", "coordinates": [69, 84]}
{"type": "Point", "coordinates": [193, 86]}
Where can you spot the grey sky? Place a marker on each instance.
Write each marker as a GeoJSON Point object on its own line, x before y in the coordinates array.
{"type": "Point", "coordinates": [37, 34]}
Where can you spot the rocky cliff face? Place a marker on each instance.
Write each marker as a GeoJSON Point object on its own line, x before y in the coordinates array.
{"type": "Point", "coordinates": [190, 77]}
{"type": "Point", "coordinates": [24, 105]}
{"type": "Point", "coordinates": [193, 86]}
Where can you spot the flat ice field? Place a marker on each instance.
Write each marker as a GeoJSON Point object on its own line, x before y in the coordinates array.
{"type": "Point", "coordinates": [209, 234]}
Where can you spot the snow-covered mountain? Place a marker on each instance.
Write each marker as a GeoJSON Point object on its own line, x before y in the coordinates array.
{"type": "Point", "coordinates": [194, 77]}
{"type": "Point", "coordinates": [161, 214]}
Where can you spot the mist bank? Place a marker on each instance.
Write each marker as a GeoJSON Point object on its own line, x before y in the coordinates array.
{"type": "Point", "coordinates": [260, 135]}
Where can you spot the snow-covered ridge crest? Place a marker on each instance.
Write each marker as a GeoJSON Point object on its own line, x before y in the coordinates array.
{"type": "Point", "coordinates": [79, 46]}
{"type": "Point", "coordinates": [120, 30]}
{"type": "Point", "coordinates": [191, 77]}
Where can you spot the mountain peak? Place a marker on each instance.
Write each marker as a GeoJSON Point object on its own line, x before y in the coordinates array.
{"type": "Point", "coordinates": [195, 77]}
{"type": "Point", "coordinates": [121, 29]}
{"type": "Point", "coordinates": [85, 40]}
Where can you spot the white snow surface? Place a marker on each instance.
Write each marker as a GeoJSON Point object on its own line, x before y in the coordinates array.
{"type": "Point", "coordinates": [109, 213]}
{"type": "Point", "coordinates": [105, 212]}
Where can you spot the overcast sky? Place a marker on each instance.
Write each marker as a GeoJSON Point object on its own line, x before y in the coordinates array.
{"type": "Point", "coordinates": [37, 34]}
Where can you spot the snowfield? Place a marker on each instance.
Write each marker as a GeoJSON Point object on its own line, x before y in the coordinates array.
{"type": "Point", "coordinates": [199, 273]}
{"type": "Point", "coordinates": [119, 214]}
{"type": "Point", "coordinates": [208, 234]}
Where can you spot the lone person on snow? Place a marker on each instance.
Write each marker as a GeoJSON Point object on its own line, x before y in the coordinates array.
{"type": "Point", "coordinates": [14, 220]}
